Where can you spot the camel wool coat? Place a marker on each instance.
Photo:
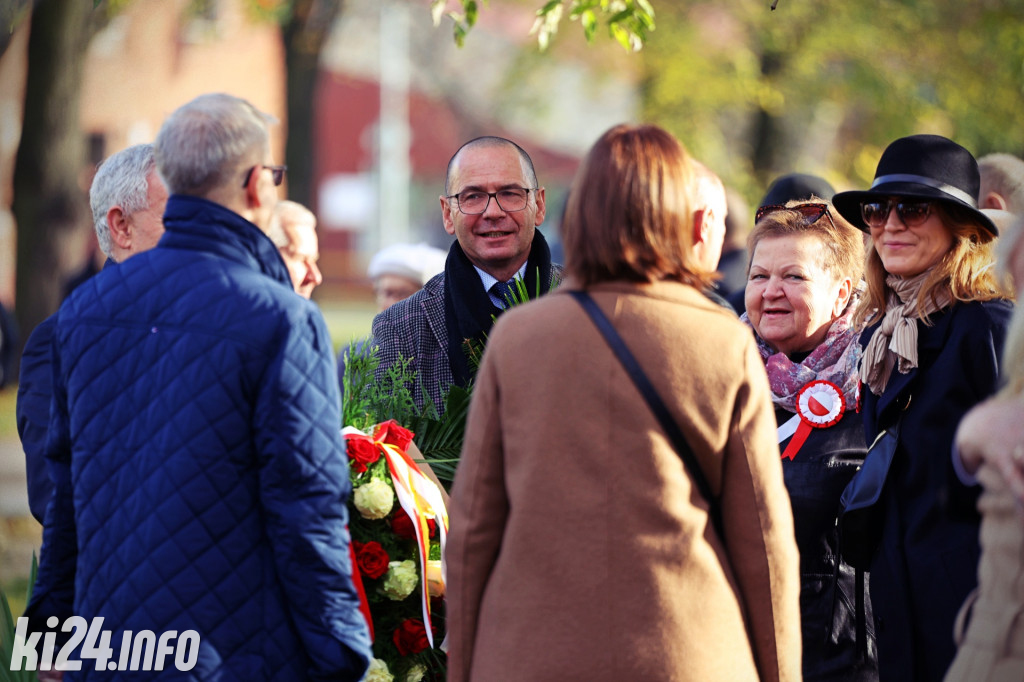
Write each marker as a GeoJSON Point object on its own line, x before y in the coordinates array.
{"type": "Point", "coordinates": [579, 549]}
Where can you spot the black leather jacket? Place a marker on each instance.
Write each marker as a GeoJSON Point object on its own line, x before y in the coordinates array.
{"type": "Point", "coordinates": [829, 588]}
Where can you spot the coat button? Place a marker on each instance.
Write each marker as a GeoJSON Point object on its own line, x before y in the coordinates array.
{"type": "Point", "coordinates": [879, 624]}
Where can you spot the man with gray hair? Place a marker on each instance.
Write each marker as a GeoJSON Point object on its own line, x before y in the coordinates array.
{"type": "Point", "coordinates": [127, 199]}
{"type": "Point", "coordinates": [195, 438]}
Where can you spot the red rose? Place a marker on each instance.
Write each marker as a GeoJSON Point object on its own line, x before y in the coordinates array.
{"type": "Point", "coordinates": [390, 432]}
{"type": "Point", "coordinates": [371, 558]}
{"type": "Point", "coordinates": [402, 526]}
{"type": "Point", "coordinates": [361, 451]}
{"type": "Point", "coordinates": [411, 637]}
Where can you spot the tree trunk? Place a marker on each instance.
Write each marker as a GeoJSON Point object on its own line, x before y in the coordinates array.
{"type": "Point", "coordinates": [304, 36]}
{"type": "Point", "coordinates": [49, 205]}
{"type": "Point", "coordinates": [767, 131]}
{"type": "Point", "coordinates": [12, 12]}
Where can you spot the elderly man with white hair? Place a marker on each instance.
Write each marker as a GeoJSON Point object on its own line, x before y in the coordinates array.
{"type": "Point", "coordinates": [127, 199]}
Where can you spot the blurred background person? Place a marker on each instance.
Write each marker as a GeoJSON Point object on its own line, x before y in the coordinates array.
{"type": "Point", "coordinates": [711, 210]}
{"type": "Point", "coordinates": [805, 266]}
{"type": "Point", "coordinates": [293, 231]}
{"type": "Point", "coordinates": [400, 270]}
{"type": "Point", "coordinates": [937, 317]}
{"type": "Point", "coordinates": [642, 585]}
{"type": "Point", "coordinates": [397, 272]}
{"type": "Point", "coordinates": [990, 443]}
{"type": "Point", "coordinates": [9, 339]}
{"type": "Point", "coordinates": [1002, 183]}
{"type": "Point", "coordinates": [732, 265]}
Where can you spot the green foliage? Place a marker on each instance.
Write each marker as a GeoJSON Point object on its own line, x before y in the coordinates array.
{"type": "Point", "coordinates": [439, 438]}
{"type": "Point", "coordinates": [823, 88]}
{"type": "Point", "coordinates": [368, 401]}
{"type": "Point", "coordinates": [7, 630]}
{"type": "Point", "coordinates": [628, 21]}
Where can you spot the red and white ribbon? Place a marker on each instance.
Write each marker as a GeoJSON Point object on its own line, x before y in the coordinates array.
{"type": "Point", "coordinates": [421, 499]}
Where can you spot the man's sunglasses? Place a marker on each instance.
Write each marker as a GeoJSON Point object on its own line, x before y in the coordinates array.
{"type": "Point", "coordinates": [276, 171]}
{"type": "Point", "coordinates": [911, 213]}
{"type": "Point", "coordinates": [811, 213]}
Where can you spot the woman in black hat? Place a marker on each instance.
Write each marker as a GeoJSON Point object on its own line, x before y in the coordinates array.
{"type": "Point", "coordinates": [936, 317]}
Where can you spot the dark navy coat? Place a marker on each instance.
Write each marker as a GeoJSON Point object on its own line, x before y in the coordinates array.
{"type": "Point", "coordinates": [200, 475]}
{"type": "Point", "coordinates": [928, 557]}
{"type": "Point", "coordinates": [33, 412]}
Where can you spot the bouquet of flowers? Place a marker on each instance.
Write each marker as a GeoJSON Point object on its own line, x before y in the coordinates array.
{"type": "Point", "coordinates": [397, 514]}
{"type": "Point", "coordinates": [399, 525]}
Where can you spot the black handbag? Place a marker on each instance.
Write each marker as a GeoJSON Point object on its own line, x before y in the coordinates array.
{"type": "Point", "coordinates": [860, 513]}
{"type": "Point", "coordinates": [654, 401]}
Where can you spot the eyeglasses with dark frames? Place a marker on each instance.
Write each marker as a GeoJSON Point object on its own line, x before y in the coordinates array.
{"type": "Point", "coordinates": [911, 212]}
{"type": "Point", "coordinates": [276, 171]}
{"type": "Point", "coordinates": [811, 212]}
{"type": "Point", "coordinates": [475, 202]}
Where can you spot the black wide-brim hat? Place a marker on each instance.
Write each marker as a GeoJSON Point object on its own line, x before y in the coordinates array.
{"type": "Point", "coordinates": [924, 166]}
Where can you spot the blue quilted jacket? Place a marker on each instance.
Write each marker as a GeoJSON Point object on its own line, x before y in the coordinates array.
{"type": "Point", "coordinates": [200, 473]}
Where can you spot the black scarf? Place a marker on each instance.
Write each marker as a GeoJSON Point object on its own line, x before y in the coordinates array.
{"type": "Point", "coordinates": [468, 311]}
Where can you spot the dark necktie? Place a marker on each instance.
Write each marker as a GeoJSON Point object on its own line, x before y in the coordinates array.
{"type": "Point", "coordinates": [503, 291]}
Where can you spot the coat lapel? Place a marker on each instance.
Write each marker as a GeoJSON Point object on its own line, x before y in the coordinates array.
{"type": "Point", "coordinates": [433, 309]}
{"type": "Point", "coordinates": [929, 339]}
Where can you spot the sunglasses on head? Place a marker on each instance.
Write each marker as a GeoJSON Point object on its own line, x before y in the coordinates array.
{"type": "Point", "coordinates": [276, 171]}
{"type": "Point", "coordinates": [811, 212]}
{"type": "Point", "coordinates": [912, 212]}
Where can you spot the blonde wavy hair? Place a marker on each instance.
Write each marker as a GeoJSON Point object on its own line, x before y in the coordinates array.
{"type": "Point", "coordinates": [966, 271]}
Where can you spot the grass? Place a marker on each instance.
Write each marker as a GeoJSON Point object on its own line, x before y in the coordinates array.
{"type": "Point", "coordinates": [8, 425]}
{"type": "Point", "coordinates": [348, 321]}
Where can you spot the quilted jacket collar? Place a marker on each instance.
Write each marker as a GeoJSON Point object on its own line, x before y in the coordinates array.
{"type": "Point", "coordinates": [193, 223]}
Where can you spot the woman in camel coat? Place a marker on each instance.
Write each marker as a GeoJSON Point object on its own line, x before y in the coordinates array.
{"type": "Point", "coordinates": [580, 547]}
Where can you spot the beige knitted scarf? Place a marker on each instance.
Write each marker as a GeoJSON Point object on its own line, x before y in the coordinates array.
{"type": "Point", "coordinates": [894, 343]}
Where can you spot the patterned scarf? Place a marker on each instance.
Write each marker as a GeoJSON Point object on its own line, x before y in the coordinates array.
{"type": "Point", "coordinates": [834, 360]}
{"type": "Point", "coordinates": [894, 343]}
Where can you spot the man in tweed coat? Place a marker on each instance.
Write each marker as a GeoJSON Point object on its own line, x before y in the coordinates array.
{"type": "Point", "coordinates": [492, 204]}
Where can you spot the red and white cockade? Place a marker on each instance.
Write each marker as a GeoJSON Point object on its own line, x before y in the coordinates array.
{"type": "Point", "coordinates": [819, 405]}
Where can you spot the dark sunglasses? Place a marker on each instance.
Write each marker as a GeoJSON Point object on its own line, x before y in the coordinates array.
{"type": "Point", "coordinates": [911, 213]}
{"type": "Point", "coordinates": [811, 213]}
{"type": "Point", "coordinates": [276, 171]}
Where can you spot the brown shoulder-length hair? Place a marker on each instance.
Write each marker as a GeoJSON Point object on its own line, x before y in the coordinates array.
{"type": "Point", "coordinates": [966, 271]}
{"type": "Point", "coordinates": [630, 211]}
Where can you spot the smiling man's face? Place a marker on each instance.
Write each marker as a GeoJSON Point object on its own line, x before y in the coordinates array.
{"type": "Point", "coordinates": [496, 241]}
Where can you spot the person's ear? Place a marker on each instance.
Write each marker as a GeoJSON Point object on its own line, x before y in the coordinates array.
{"type": "Point", "coordinates": [446, 215]}
{"type": "Point", "coordinates": [842, 297]}
{"type": "Point", "coordinates": [120, 228]}
{"type": "Point", "coordinates": [993, 200]}
{"type": "Point", "coordinates": [542, 208]}
{"type": "Point", "coordinates": [701, 225]}
{"type": "Point", "coordinates": [252, 187]}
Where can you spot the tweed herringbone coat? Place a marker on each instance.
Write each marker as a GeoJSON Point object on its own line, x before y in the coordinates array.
{"type": "Point", "coordinates": [415, 328]}
{"type": "Point", "coordinates": [579, 547]}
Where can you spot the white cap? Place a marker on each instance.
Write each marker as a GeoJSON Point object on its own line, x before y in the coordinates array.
{"type": "Point", "coordinates": [418, 262]}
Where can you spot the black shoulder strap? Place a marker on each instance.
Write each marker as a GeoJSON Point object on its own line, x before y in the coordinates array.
{"type": "Point", "coordinates": [643, 384]}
